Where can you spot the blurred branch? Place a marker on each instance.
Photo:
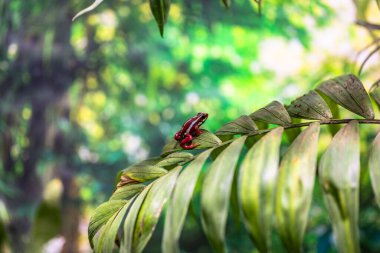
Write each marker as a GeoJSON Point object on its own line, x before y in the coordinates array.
{"type": "Point", "coordinates": [367, 25]}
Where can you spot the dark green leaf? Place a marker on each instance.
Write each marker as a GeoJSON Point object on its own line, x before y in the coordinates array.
{"type": "Point", "coordinates": [310, 106]}
{"type": "Point", "coordinates": [226, 3]}
{"type": "Point", "coordinates": [160, 11]}
{"type": "Point", "coordinates": [176, 158]}
{"type": "Point", "coordinates": [126, 192]}
{"type": "Point", "coordinates": [142, 173]}
{"type": "Point", "coordinates": [151, 209]}
{"type": "Point", "coordinates": [374, 167]}
{"type": "Point", "coordinates": [295, 187]}
{"type": "Point", "coordinates": [101, 215]}
{"type": "Point", "coordinates": [339, 172]}
{"type": "Point", "coordinates": [242, 125]}
{"type": "Point", "coordinates": [349, 92]}
{"type": "Point", "coordinates": [215, 194]}
{"type": "Point", "coordinates": [179, 204]}
{"type": "Point", "coordinates": [257, 181]}
{"type": "Point", "coordinates": [273, 113]}
{"type": "Point", "coordinates": [88, 9]}
{"type": "Point", "coordinates": [375, 92]}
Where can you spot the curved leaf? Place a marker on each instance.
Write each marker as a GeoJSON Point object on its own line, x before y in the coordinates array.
{"type": "Point", "coordinates": [101, 215]}
{"type": "Point", "coordinates": [374, 167]}
{"type": "Point", "coordinates": [310, 106]}
{"type": "Point", "coordinates": [130, 221]}
{"type": "Point", "coordinates": [215, 194]}
{"type": "Point", "coordinates": [176, 158]}
{"type": "Point", "coordinates": [88, 9]}
{"type": "Point", "coordinates": [205, 140]}
{"type": "Point", "coordinates": [142, 173]}
{"type": "Point", "coordinates": [375, 92]}
{"type": "Point", "coordinates": [127, 191]}
{"type": "Point", "coordinates": [160, 11]}
{"type": "Point", "coordinates": [151, 209]}
{"type": "Point", "coordinates": [339, 172]}
{"type": "Point", "coordinates": [273, 113]}
{"type": "Point", "coordinates": [257, 181]}
{"type": "Point", "coordinates": [177, 208]}
{"type": "Point", "coordinates": [106, 239]}
{"type": "Point", "coordinates": [295, 187]}
{"type": "Point", "coordinates": [242, 125]}
{"type": "Point", "coordinates": [349, 92]}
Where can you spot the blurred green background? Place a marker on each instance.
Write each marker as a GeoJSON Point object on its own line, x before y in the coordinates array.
{"type": "Point", "coordinates": [81, 100]}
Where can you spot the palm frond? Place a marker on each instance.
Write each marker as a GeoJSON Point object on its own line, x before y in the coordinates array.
{"type": "Point", "coordinates": [268, 185]}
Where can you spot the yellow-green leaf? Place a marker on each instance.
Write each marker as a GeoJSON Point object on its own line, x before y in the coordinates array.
{"type": "Point", "coordinates": [310, 106]}
{"type": "Point", "coordinates": [142, 173]}
{"type": "Point", "coordinates": [151, 209]}
{"type": "Point", "coordinates": [273, 113]}
{"type": "Point", "coordinates": [242, 125]}
{"type": "Point", "coordinates": [160, 11]}
{"type": "Point", "coordinates": [257, 181]}
{"type": "Point", "coordinates": [349, 92]}
{"type": "Point", "coordinates": [295, 187]}
{"type": "Point", "coordinates": [339, 172]}
{"type": "Point", "coordinates": [374, 167]}
{"type": "Point", "coordinates": [179, 204]}
{"type": "Point", "coordinates": [106, 240]}
{"type": "Point", "coordinates": [126, 192]}
{"type": "Point", "coordinates": [130, 221]}
{"type": "Point", "coordinates": [101, 215]}
{"type": "Point", "coordinates": [175, 158]}
{"type": "Point", "coordinates": [215, 194]}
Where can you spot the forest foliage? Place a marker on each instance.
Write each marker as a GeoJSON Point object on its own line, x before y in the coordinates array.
{"type": "Point", "coordinates": [81, 100]}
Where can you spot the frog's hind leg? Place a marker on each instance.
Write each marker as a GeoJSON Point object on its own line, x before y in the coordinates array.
{"type": "Point", "coordinates": [186, 142]}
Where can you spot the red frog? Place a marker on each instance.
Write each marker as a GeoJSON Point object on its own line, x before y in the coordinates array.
{"type": "Point", "coordinates": [189, 130]}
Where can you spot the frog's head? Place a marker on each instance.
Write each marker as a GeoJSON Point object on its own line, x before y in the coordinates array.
{"type": "Point", "coordinates": [201, 118]}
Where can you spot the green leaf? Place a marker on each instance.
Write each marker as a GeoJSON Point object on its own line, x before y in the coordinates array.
{"type": "Point", "coordinates": [375, 92]}
{"type": "Point", "coordinates": [101, 215]}
{"type": "Point", "coordinates": [257, 181]}
{"type": "Point", "coordinates": [160, 11]}
{"type": "Point", "coordinates": [151, 209]}
{"type": "Point", "coordinates": [106, 240]}
{"type": "Point", "coordinates": [215, 194]}
{"type": "Point", "coordinates": [126, 192]}
{"type": "Point", "coordinates": [273, 113]}
{"type": "Point", "coordinates": [339, 172]}
{"type": "Point", "coordinates": [242, 125]}
{"type": "Point", "coordinates": [295, 187]}
{"type": "Point", "coordinates": [130, 221]}
{"type": "Point", "coordinates": [142, 173]}
{"type": "Point", "coordinates": [309, 106]}
{"type": "Point", "coordinates": [349, 92]}
{"type": "Point", "coordinates": [205, 140]}
{"type": "Point", "coordinates": [88, 9]}
{"type": "Point", "coordinates": [178, 206]}
{"type": "Point", "coordinates": [226, 3]}
{"type": "Point", "coordinates": [176, 158]}
{"type": "Point", "coordinates": [374, 167]}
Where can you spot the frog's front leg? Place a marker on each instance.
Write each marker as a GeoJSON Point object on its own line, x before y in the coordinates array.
{"type": "Point", "coordinates": [185, 143]}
